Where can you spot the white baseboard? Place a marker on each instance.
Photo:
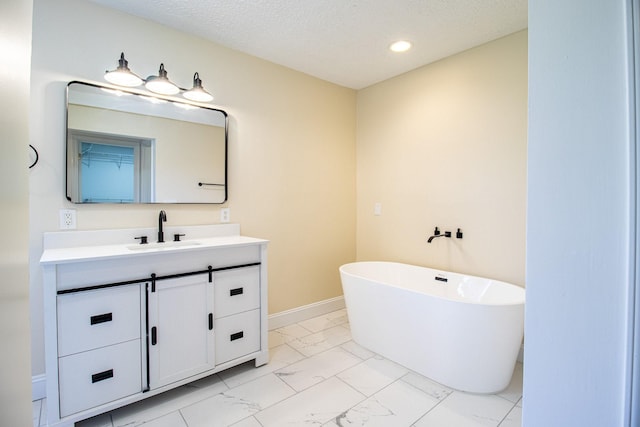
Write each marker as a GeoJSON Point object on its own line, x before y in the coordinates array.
{"type": "Point", "coordinates": [38, 387]}
{"type": "Point", "coordinates": [298, 314]}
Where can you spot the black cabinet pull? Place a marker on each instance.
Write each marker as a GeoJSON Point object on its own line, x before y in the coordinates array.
{"type": "Point", "coordinates": [154, 336]}
{"type": "Point", "coordinates": [210, 321]}
{"type": "Point", "coordinates": [236, 336]}
{"type": "Point", "coordinates": [101, 376]}
{"type": "Point", "coordinates": [101, 318]}
{"type": "Point", "coordinates": [236, 291]}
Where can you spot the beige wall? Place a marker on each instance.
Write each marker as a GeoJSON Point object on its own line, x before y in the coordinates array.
{"type": "Point", "coordinates": [445, 145]}
{"type": "Point", "coordinates": [291, 147]}
{"type": "Point", "coordinates": [15, 380]}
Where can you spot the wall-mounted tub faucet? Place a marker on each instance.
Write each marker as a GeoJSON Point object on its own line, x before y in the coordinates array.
{"type": "Point", "coordinates": [436, 233]}
{"type": "Point", "coordinates": [161, 218]}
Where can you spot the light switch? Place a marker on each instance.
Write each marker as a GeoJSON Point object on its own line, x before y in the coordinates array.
{"type": "Point", "coordinates": [377, 209]}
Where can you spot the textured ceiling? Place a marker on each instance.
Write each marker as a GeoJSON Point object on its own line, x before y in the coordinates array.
{"type": "Point", "coordinates": [341, 41]}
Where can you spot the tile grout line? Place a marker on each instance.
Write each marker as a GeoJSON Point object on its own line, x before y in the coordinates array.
{"type": "Point", "coordinates": [365, 397]}
{"type": "Point", "coordinates": [509, 412]}
{"type": "Point", "coordinates": [439, 400]}
{"type": "Point", "coordinates": [506, 415]}
{"type": "Point", "coordinates": [387, 386]}
{"type": "Point", "coordinates": [183, 418]}
{"type": "Point", "coordinates": [362, 360]}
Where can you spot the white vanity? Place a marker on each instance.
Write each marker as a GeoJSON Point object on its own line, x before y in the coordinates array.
{"type": "Point", "coordinates": [125, 321]}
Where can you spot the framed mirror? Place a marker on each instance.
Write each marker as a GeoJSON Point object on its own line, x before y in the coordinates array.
{"type": "Point", "coordinates": [128, 147]}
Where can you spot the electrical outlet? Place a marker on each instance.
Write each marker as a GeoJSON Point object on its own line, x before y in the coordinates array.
{"type": "Point", "coordinates": [377, 209]}
{"type": "Point", "coordinates": [67, 219]}
{"type": "Point", "coordinates": [224, 215]}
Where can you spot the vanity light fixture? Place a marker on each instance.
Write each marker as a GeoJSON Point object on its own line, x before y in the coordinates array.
{"type": "Point", "coordinates": [400, 46]}
{"type": "Point", "coordinates": [160, 84]}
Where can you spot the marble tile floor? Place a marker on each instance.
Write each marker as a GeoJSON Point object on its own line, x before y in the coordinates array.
{"type": "Point", "coordinates": [316, 376]}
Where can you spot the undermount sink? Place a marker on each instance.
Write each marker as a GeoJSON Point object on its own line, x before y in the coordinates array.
{"type": "Point", "coordinates": [165, 245]}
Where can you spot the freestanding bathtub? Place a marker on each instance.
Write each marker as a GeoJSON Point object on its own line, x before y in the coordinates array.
{"type": "Point", "coordinates": [462, 331]}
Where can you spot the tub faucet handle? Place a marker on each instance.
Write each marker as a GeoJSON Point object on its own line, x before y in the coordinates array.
{"type": "Point", "coordinates": [436, 232]}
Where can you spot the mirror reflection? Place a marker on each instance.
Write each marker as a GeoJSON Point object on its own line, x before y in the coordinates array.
{"type": "Point", "coordinates": [126, 147]}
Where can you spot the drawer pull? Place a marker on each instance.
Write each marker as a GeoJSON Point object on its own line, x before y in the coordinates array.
{"type": "Point", "coordinates": [101, 376]}
{"type": "Point", "coordinates": [210, 321]}
{"type": "Point", "coordinates": [236, 291]}
{"type": "Point", "coordinates": [236, 336]}
{"type": "Point", "coordinates": [101, 318]}
{"type": "Point", "coordinates": [154, 336]}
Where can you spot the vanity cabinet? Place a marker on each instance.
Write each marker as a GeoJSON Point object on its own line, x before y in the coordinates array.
{"type": "Point", "coordinates": [122, 325]}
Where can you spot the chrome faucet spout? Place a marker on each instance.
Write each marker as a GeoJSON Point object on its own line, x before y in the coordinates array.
{"type": "Point", "coordinates": [161, 218]}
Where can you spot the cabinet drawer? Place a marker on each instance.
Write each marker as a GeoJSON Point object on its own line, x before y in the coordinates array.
{"type": "Point", "coordinates": [92, 319]}
{"type": "Point", "coordinates": [237, 335]}
{"type": "Point", "coordinates": [236, 290]}
{"type": "Point", "coordinates": [99, 376]}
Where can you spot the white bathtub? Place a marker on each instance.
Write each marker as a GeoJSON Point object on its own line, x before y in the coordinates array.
{"type": "Point", "coordinates": [462, 331]}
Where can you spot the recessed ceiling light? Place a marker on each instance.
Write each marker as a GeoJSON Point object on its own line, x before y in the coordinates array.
{"type": "Point", "coordinates": [400, 46]}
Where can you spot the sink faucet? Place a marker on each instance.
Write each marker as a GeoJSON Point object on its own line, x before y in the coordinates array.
{"type": "Point", "coordinates": [161, 218]}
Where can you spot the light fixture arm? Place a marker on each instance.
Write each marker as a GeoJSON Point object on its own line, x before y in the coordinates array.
{"type": "Point", "coordinates": [123, 63]}
{"type": "Point", "coordinates": [162, 73]}
{"type": "Point", "coordinates": [196, 80]}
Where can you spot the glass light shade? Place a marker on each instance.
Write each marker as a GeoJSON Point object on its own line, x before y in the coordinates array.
{"type": "Point", "coordinates": [161, 84]}
{"type": "Point", "coordinates": [197, 92]}
{"type": "Point", "coordinates": [122, 76]}
{"type": "Point", "coordinates": [198, 95]}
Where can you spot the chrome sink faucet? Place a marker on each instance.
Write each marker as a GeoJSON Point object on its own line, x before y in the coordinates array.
{"type": "Point", "coordinates": [161, 218]}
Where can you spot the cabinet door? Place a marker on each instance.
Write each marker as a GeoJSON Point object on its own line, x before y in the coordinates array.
{"type": "Point", "coordinates": [181, 341]}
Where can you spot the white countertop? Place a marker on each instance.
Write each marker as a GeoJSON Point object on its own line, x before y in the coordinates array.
{"type": "Point", "coordinates": [65, 247]}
